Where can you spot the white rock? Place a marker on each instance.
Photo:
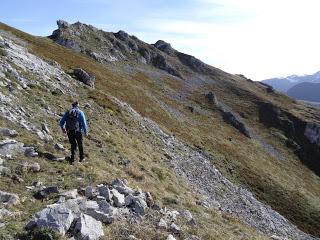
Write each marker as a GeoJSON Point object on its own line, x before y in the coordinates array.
{"type": "Point", "coordinates": [175, 228]}
{"type": "Point", "coordinates": [87, 228]}
{"type": "Point", "coordinates": [170, 237]}
{"type": "Point", "coordinates": [8, 132]}
{"type": "Point", "coordinates": [71, 194]}
{"type": "Point", "coordinates": [162, 224]}
{"type": "Point", "coordinates": [9, 198]}
{"type": "Point", "coordinates": [59, 147]}
{"type": "Point", "coordinates": [118, 198]}
{"type": "Point", "coordinates": [55, 216]}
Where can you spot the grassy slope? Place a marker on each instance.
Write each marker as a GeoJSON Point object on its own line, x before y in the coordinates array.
{"type": "Point", "coordinates": [241, 159]}
{"type": "Point", "coordinates": [115, 130]}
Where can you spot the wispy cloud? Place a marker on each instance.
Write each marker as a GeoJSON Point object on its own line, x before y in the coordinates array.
{"type": "Point", "coordinates": [262, 38]}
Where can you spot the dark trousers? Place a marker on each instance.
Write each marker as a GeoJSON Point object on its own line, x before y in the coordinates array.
{"type": "Point", "coordinates": [75, 139]}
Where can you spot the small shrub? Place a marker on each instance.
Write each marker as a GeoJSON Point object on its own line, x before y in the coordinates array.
{"type": "Point", "coordinates": [40, 234]}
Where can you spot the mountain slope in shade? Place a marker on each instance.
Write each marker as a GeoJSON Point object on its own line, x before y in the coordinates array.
{"type": "Point", "coordinates": [306, 91]}
{"type": "Point", "coordinates": [284, 84]}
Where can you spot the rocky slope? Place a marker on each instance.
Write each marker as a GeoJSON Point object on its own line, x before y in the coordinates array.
{"type": "Point", "coordinates": [192, 136]}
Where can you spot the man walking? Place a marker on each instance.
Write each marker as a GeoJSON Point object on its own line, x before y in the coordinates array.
{"type": "Point", "coordinates": [73, 123]}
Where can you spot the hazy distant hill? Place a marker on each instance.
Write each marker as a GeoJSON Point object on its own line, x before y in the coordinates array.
{"type": "Point", "coordinates": [306, 91]}
{"type": "Point", "coordinates": [284, 84]}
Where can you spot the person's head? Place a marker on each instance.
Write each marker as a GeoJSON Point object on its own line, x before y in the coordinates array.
{"type": "Point", "coordinates": [75, 104]}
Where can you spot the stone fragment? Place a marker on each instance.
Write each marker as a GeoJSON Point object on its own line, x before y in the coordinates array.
{"type": "Point", "coordinates": [118, 198]}
{"type": "Point", "coordinates": [84, 77]}
{"type": "Point", "coordinates": [175, 228]}
{"type": "Point", "coordinates": [87, 228]}
{"type": "Point", "coordinates": [34, 167]}
{"type": "Point", "coordinates": [9, 198]}
{"type": "Point", "coordinates": [89, 192]}
{"type": "Point", "coordinates": [162, 224]}
{"type": "Point", "coordinates": [59, 147]}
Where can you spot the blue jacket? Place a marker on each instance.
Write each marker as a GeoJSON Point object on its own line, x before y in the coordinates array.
{"type": "Point", "coordinates": [81, 118]}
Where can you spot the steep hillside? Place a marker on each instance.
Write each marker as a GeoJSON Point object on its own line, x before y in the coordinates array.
{"type": "Point", "coordinates": [229, 150]}
{"type": "Point", "coordinates": [306, 91]}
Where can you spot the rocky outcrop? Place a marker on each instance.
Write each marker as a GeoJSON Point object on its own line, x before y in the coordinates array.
{"type": "Point", "coordinates": [229, 116]}
{"type": "Point", "coordinates": [165, 47]}
{"type": "Point", "coordinates": [302, 136]}
{"type": "Point", "coordinates": [106, 47]}
{"type": "Point", "coordinates": [83, 215]}
{"type": "Point", "coordinates": [84, 77]}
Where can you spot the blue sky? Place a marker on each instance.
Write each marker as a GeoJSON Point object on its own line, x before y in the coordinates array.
{"type": "Point", "coordinates": [258, 38]}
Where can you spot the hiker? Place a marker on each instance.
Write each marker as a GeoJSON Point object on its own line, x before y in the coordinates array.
{"type": "Point", "coordinates": [73, 123]}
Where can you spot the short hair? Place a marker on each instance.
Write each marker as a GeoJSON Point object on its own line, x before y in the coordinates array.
{"type": "Point", "coordinates": [75, 104]}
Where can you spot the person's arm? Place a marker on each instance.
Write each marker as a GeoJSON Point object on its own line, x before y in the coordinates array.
{"type": "Point", "coordinates": [83, 123]}
{"type": "Point", "coordinates": [63, 121]}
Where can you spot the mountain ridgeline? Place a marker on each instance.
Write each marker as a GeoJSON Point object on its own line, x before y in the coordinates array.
{"type": "Point", "coordinates": [177, 149]}
{"type": "Point", "coordinates": [298, 87]}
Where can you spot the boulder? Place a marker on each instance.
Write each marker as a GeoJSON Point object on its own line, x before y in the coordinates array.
{"type": "Point", "coordinates": [10, 147]}
{"type": "Point", "coordinates": [71, 194]}
{"type": "Point", "coordinates": [30, 152]}
{"type": "Point", "coordinates": [105, 192]}
{"type": "Point", "coordinates": [6, 132]}
{"type": "Point", "coordinates": [84, 77]}
{"type": "Point", "coordinates": [87, 228]}
{"type": "Point", "coordinates": [162, 224]}
{"type": "Point", "coordinates": [175, 228]}
{"type": "Point", "coordinates": [62, 24]}
{"type": "Point", "coordinates": [122, 187]}
{"type": "Point", "coordinates": [118, 198]}
{"type": "Point", "coordinates": [89, 192]}
{"type": "Point", "coordinates": [212, 98]}
{"type": "Point", "coordinates": [164, 46]}
{"type": "Point", "coordinates": [9, 198]}
{"type": "Point", "coordinates": [170, 237]}
{"type": "Point", "coordinates": [56, 216]}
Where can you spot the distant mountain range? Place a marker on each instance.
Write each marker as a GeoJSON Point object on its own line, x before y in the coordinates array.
{"type": "Point", "coordinates": [306, 87]}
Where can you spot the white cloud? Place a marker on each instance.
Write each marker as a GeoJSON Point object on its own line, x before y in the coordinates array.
{"type": "Point", "coordinates": [273, 38]}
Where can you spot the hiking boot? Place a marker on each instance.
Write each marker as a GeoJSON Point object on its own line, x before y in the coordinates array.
{"type": "Point", "coordinates": [82, 160]}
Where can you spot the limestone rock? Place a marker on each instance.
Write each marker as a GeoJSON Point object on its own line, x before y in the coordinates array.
{"type": "Point", "coordinates": [105, 192]}
{"type": "Point", "coordinates": [84, 77]}
{"type": "Point", "coordinates": [121, 187]}
{"type": "Point", "coordinates": [6, 132]}
{"type": "Point", "coordinates": [170, 237]}
{"type": "Point", "coordinates": [162, 224]}
{"type": "Point", "coordinates": [87, 228]}
{"type": "Point", "coordinates": [9, 198]}
{"type": "Point", "coordinates": [55, 216]}
{"type": "Point", "coordinates": [118, 198]}
{"type": "Point", "coordinates": [59, 147]}
{"type": "Point", "coordinates": [71, 194]}
{"type": "Point", "coordinates": [175, 228]}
